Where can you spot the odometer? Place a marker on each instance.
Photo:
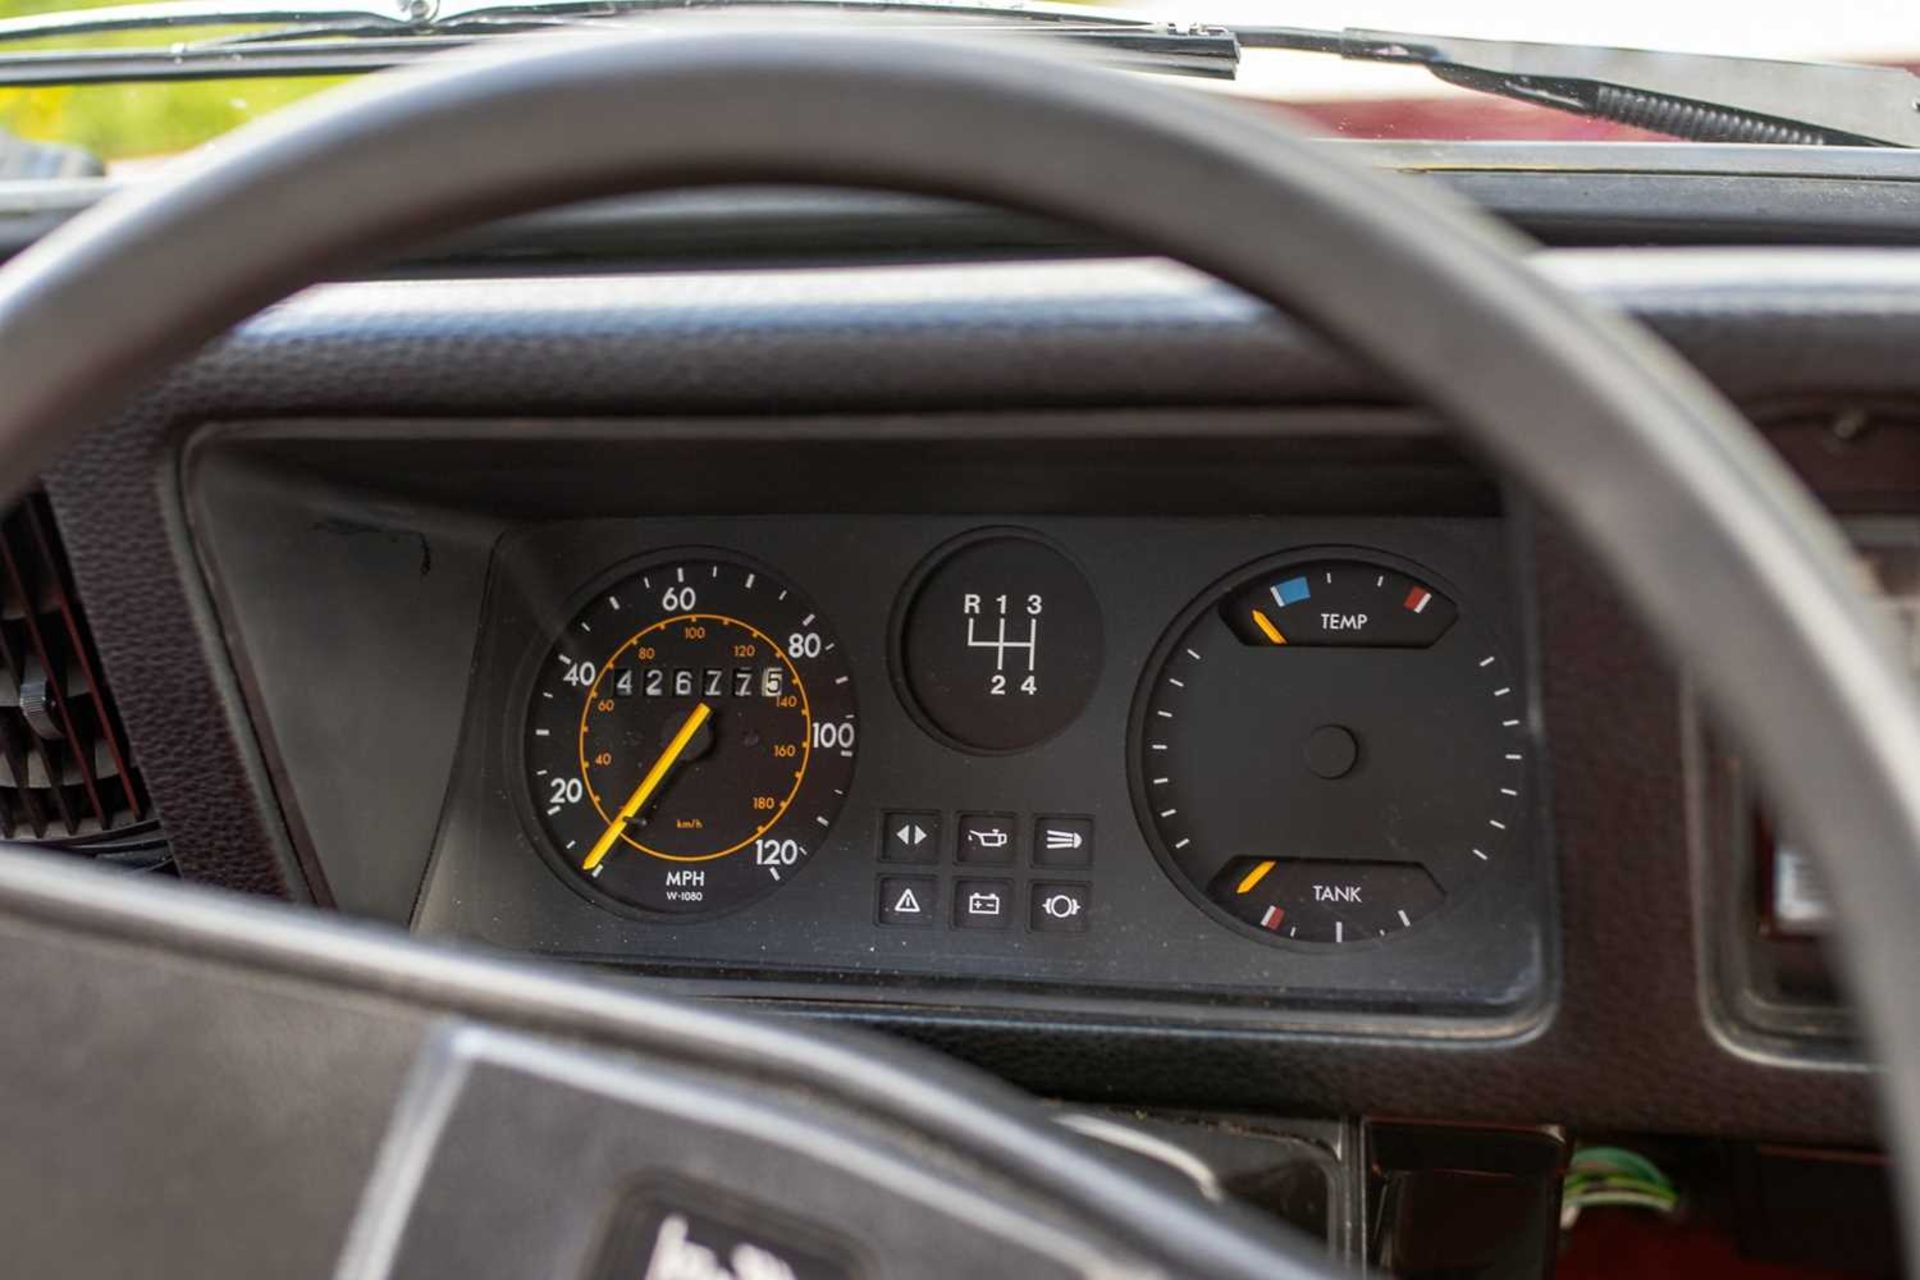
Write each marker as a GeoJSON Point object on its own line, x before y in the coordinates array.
{"type": "Point", "coordinates": [690, 736]}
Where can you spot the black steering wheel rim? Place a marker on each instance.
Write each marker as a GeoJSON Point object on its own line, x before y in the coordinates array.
{"type": "Point", "coordinates": [1734, 565]}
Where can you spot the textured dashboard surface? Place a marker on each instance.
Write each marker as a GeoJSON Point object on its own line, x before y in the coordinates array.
{"type": "Point", "coordinates": [1628, 1047]}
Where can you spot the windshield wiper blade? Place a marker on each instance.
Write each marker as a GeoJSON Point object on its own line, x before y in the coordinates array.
{"type": "Point", "coordinates": [1697, 96]}
{"type": "Point", "coordinates": [347, 38]}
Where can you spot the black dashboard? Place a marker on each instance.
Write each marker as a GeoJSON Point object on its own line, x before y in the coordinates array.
{"type": "Point", "coordinates": [451, 494]}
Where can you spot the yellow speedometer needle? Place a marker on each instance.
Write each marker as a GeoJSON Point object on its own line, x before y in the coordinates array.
{"type": "Point", "coordinates": [648, 785]}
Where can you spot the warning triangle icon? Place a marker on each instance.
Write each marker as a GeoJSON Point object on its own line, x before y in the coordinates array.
{"type": "Point", "coordinates": [907, 905]}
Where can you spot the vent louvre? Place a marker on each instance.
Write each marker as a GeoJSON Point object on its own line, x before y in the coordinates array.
{"type": "Point", "coordinates": [66, 775]}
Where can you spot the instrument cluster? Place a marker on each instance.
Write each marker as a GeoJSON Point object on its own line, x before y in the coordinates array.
{"type": "Point", "coordinates": [1281, 759]}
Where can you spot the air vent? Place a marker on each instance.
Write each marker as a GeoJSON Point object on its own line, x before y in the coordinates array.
{"type": "Point", "coordinates": [66, 775]}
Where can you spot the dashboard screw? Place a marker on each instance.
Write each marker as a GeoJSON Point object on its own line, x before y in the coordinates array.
{"type": "Point", "coordinates": [1849, 425]}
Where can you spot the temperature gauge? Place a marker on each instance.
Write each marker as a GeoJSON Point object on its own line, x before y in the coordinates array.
{"type": "Point", "coordinates": [999, 646]}
{"type": "Point", "coordinates": [1339, 605]}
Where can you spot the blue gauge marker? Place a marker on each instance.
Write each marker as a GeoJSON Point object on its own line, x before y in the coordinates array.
{"type": "Point", "coordinates": [1292, 591]}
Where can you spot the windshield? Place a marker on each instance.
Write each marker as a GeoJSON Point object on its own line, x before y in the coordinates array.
{"type": "Point", "coordinates": [132, 123]}
{"type": "Point", "coordinates": [129, 124]}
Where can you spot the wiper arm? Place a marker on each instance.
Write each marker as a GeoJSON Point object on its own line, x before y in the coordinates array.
{"type": "Point", "coordinates": [1705, 97]}
{"type": "Point", "coordinates": [1702, 97]}
{"type": "Point", "coordinates": [322, 38]}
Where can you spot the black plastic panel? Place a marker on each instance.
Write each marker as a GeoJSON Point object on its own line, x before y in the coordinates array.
{"type": "Point", "coordinates": [1133, 933]}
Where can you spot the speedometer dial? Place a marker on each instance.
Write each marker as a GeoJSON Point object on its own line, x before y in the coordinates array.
{"type": "Point", "coordinates": [690, 736]}
{"type": "Point", "coordinates": [1329, 749]}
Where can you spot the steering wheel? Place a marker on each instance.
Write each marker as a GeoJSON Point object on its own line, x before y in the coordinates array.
{"type": "Point", "coordinates": [498, 1111]}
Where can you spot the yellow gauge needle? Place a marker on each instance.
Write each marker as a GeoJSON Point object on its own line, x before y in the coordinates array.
{"type": "Point", "coordinates": [1267, 629]}
{"type": "Point", "coordinates": [648, 785]}
{"type": "Point", "coordinates": [1254, 877]}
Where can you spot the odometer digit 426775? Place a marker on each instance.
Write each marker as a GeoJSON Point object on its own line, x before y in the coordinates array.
{"type": "Point", "coordinates": [690, 736]}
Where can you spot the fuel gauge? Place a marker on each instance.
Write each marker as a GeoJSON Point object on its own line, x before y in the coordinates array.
{"type": "Point", "coordinates": [1318, 900]}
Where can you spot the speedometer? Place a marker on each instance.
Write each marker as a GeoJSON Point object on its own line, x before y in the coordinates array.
{"type": "Point", "coordinates": [690, 736]}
